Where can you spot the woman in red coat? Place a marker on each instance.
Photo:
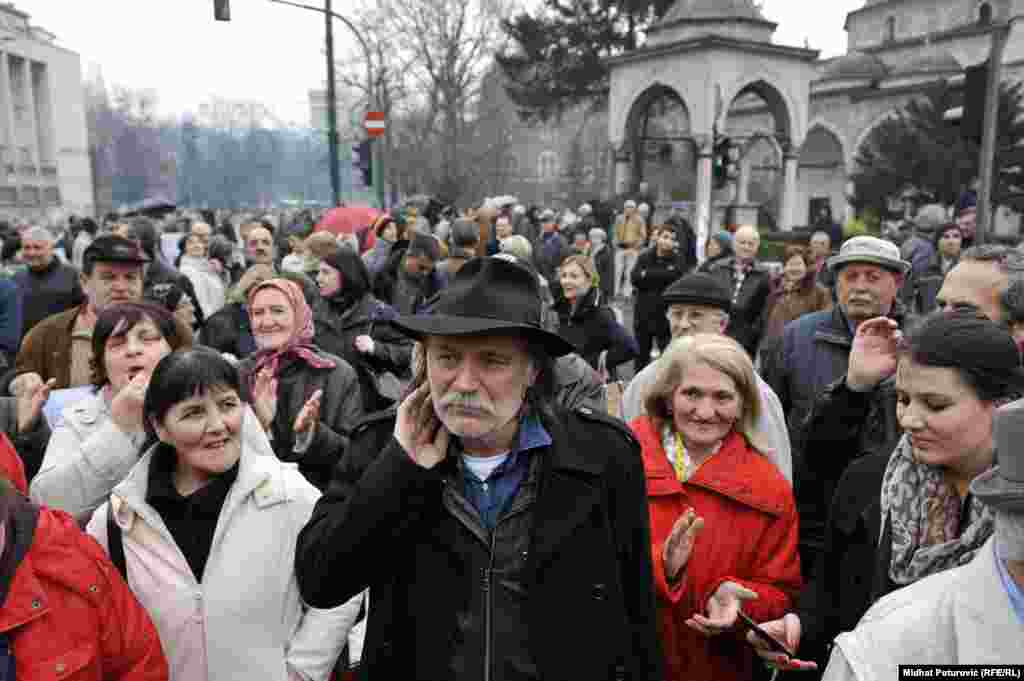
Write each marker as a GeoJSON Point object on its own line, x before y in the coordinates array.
{"type": "Point", "coordinates": [723, 518]}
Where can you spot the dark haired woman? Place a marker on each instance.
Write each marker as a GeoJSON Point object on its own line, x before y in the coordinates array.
{"type": "Point", "coordinates": [98, 438]}
{"type": "Point", "coordinates": [307, 400]}
{"type": "Point", "coordinates": [899, 517]}
{"type": "Point", "coordinates": [206, 522]}
{"type": "Point", "coordinates": [354, 325]}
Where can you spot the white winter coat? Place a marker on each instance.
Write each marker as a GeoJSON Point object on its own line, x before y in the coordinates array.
{"type": "Point", "coordinates": [960, 616]}
{"type": "Point", "coordinates": [246, 619]}
{"type": "Point", "coordinates": [86, 456]}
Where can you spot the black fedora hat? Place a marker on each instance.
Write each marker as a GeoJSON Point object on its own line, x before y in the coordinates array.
{"type": "Point", "coordinates": [487, 296]}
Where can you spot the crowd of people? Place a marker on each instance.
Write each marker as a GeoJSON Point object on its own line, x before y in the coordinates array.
{"type": "Point", "coordinates": [238, 446]}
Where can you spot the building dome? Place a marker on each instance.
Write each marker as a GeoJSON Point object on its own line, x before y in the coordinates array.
{"type": "Point", "coordinates": [855, 66]}
{"type": "Point", "coordinates": [702, 10]}
{"type": "Point", "coordinates": [931, 62]}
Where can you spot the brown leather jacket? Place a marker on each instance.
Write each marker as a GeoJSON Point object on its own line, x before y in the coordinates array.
{"type": "Point", "coordinates": [46, 350]}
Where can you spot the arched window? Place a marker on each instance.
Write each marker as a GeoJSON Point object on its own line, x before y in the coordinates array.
{"type": "Point", "coordinates": [547, 165]}
{"type": "Point", "coordinates": [890, 29]}
{"type": "Point", "coordinates": [512, 164]}
{"type": "Point", "coordinates": [985, 14]}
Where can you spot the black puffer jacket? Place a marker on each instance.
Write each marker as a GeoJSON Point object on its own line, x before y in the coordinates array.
{"type": "Point", "coordinates": [341, 408]}
{"type": "Point", "coordinates": [746, 322]}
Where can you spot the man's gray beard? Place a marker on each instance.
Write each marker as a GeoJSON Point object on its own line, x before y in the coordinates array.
{"type": "Point", "coordinates": [1010, 535]}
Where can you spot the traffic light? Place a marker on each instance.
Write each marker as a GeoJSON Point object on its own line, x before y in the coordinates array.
{"type": "Point", "coordinates": [975, 95]}
{"type": "Point", "coordinates": [722, 162]}
{"type": "Point", "coordinates": [222, 10]}
{"type": "Point", "coordinates": [363, 162]}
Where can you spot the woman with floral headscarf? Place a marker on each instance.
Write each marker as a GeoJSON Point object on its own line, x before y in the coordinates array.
{"type": "Point", "coordinates": [307, 400]}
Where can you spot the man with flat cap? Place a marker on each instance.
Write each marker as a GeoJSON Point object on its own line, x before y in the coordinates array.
{"type": "Point", "coordinates": [58, 350]}
{"type": "Point", "coordinates": [502, 536]}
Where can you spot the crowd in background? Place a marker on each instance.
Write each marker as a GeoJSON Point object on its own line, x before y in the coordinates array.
{"type": "Point", "coordinates": [817, 432]}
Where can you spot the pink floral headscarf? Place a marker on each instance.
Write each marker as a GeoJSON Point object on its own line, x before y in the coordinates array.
{"type": "Point", "coordinates": [300, 344]}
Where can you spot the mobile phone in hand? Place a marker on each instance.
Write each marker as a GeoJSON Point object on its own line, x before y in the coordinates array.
{"type": "Point", "coordinates": [769, 640]}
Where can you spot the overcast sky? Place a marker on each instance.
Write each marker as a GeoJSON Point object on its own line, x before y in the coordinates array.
{"type": "Point", "coordinates": [273, 53]}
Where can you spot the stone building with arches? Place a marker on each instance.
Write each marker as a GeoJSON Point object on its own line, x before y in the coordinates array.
{"type": "Point", "coordinates": [711, 67]}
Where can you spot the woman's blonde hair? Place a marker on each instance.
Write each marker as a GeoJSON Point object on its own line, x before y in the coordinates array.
{"type": "Point", "coordinates": [585, 263]}
{"type": "Point", "coordinates": [722, 354]}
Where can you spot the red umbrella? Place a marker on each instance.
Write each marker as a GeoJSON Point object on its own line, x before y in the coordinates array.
{"type": "Point", "coordinates": [348, 219]}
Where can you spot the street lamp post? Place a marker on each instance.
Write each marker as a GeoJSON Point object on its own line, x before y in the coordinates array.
{"type": "Point", "coordinates": [332, 102]}
{"type": "Point", "coordinates": [332, 109]}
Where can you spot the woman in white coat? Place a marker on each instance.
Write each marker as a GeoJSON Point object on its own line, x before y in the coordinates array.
{"type": "Point", "coordinates": [99, 438]}
{"type": "Point", "coordinates": [206, 523]}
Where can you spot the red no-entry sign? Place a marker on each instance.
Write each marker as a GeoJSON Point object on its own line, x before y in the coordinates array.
{"type": "Point", "coordinates": [374, 123]}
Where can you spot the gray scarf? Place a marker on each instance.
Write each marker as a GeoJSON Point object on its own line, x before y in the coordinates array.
{"type": "Point", "coordinates": [924, 510]}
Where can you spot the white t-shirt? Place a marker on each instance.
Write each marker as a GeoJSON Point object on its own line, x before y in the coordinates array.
{"type": "Point", "coordinates": [483, 466]}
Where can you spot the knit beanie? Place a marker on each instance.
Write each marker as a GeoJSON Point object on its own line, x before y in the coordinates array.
{"type": "Point", "coordinates": [698, 289]}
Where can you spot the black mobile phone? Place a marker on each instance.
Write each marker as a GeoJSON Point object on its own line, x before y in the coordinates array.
{"type": "Point", "coordinates": [772, 642]}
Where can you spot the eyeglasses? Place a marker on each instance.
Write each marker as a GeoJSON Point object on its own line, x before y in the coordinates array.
{"type": "Point", "coordinates": [679, 315]}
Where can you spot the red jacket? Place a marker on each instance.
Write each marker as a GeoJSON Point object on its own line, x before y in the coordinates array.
{"type": "Point", "coordinates": [68, 613]}
{"type": "Point", "coordinates": [749, 537]}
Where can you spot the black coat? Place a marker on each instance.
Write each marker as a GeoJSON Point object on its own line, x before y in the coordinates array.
{"type": "Point", "coordinates": [746, 321]}
{"type": "Point", "coordinates": [589, 605]}
{"type": "Point", "coordinates": [814, 354]}
{"type": "Point", "coordinates": [336, 333]}
{"type": "Point", "coordinates": [851, 572]}
{"type": "Point", "coordinates": [47, 293]}
{"type": "Point", "coordinates": [229, 330]}
{"type": "Point", "coordinates": [604, 261]}
{"type": "Point", "coordinates": [386, 282]}
{"type": "Point", "coordinates": [651, 275]}
{"type": "Point", "coordinates": [341, 408]}
{"type": "Point", "coordinates": [592, 328]}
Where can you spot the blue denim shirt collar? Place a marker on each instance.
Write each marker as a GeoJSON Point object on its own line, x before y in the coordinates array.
{"type": "Point", "coordinates": [491, 497]}
{"type": "Point", "coordinates": [1013, 589]}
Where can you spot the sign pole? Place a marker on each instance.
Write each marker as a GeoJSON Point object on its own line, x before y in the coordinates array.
{"type": "Point", "coordinates": [986, 162]}
{"type": "Point", "coordinates": [332, 109]}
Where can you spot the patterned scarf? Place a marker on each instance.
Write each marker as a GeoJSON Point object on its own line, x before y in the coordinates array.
{"type": "Point", "coordinates": [300, 345]}
{"type": "Point", "coordinates": [928, 534]}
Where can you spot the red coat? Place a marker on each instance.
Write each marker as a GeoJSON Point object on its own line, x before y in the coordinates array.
{"type": "Point", "coordinates": [749, 537]}
{"type": "Point", "coordinates": [68, 613]}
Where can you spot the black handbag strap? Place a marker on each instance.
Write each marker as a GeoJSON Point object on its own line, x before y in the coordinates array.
{"type": "Point", "coordinates": [115, 542]}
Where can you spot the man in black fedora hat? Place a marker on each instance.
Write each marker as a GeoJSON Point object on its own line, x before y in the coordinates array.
{"type": "Point", "coordinates": [503, 536]}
